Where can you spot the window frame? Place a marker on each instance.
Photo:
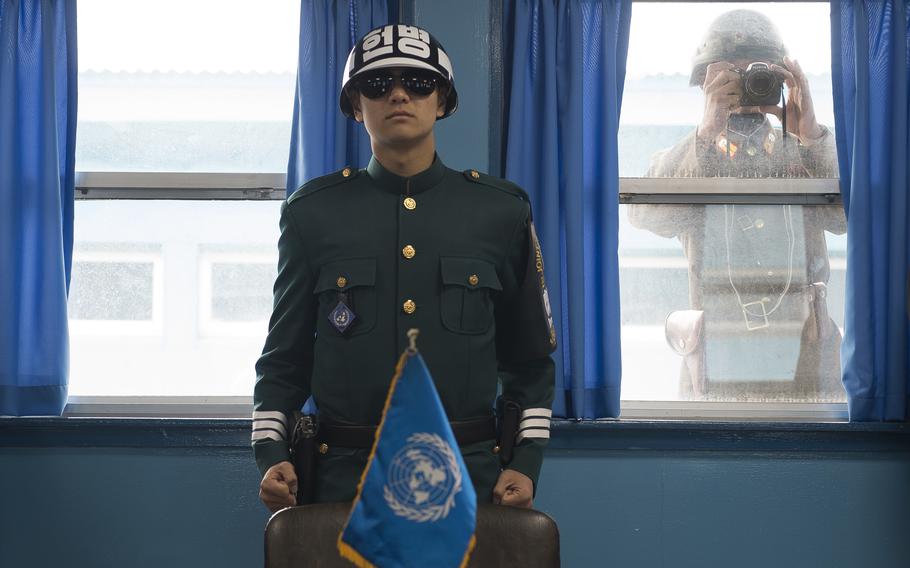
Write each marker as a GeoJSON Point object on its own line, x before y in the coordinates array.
{"type": "Point", "coordinates": [86, 406]}
{"type": "Point", "coordinates": [181, 185]}
{"type": "Point", "coordinates": [771, 191]}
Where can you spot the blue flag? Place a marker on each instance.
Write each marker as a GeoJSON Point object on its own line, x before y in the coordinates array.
{"type": "Point", "coordinates": [415, 504]}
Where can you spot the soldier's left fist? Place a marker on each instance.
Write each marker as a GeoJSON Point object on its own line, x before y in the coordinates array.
{"type": "Point", "coordinates": [514, 489]}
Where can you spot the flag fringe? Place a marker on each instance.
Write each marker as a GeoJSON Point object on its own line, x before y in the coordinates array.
{"type": "Point", "coordinates": [347, 551]}
{"type": "Point", "coordinates": [467, 553]}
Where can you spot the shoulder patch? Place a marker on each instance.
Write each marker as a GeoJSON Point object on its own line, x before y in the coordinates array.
{"type": "Point", "coordinates": [341, 176]}
{"type": "Point", "coordinates": [495, 182]}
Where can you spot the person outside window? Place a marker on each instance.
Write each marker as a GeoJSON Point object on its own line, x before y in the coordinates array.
{"type": "Point", "coordinates": [757, 326]}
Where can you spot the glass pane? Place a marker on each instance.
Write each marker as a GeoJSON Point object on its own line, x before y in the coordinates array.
{"type": "Point", "coordinates": [111, 290]}
{"type": "Point", "coordinates": [242, 291]}
{"type": "Point", "coordinates": [210, 90]}
{"type": "Point", "coordinates": [212, 266]}
{"type": "Point", "coordinates": [674, 123]}
{"type": "Point", "coordinates": [731, 302]}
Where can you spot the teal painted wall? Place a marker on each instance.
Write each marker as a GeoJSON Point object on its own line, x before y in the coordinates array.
{"type": "Point", "coordinates": [137, 507]}
{"type": "Point", "coordinates": [723, 509]}
{"type": "Point", "coordinates": [197, 506]}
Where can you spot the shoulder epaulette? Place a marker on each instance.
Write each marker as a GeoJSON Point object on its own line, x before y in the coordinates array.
{"type": "Point", "coordinates": [495, 182]}
{"type": "Point", "coordinates": [315, 184]}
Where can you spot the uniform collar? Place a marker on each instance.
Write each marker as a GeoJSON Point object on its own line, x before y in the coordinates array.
{"type": "Point", "coordinates": [406, 186]}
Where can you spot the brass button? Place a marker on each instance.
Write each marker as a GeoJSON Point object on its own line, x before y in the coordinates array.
{"type": "Point", "coordinates": [496, 449]}
{"type": "Point", "coordinates": [323, 448]}
{"type": "Point", "coordinates": [341, 282]}
{"type": "Point", "coordinates": [346, 172]}
{"type": "Point", "coordinates": [408, 252]}
{"type": "Point", "coordinates": [474, 174]}
{"type": "Point", "coordinates": [409, 307]}
{"type": "Point", "coordinates": [473, 280]}
{"type": "Point", "coordinates": [410, 204]}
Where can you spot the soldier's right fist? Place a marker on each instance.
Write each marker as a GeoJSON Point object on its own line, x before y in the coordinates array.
{"type": "Point", "coordinates": [278, 488]}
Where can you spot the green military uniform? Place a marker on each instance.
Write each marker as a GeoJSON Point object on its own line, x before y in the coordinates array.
{"type": "Point", "coordinates": [450, 253]}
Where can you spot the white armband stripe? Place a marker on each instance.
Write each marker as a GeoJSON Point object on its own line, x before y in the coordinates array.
{"type": "Point", "coordinates": [270, 414]}
{"type": "Point", "coordinates": [541, 433]}
{"type": "Point", "coordinates": [536, 413]}
{"type": "Point", "coordinates": [267, 433]}
{"type": "Point", "coordinates": [271, 423]}
{"type": "Point", "coordinates": [534, 422]}
{"type": "Point", "coordinates": [537, 417]}
{"type": "Point", "coordinates": [542, 429]}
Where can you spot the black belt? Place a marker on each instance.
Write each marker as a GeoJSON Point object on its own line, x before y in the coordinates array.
{"type": "Point", "coordinates": [357, 436]}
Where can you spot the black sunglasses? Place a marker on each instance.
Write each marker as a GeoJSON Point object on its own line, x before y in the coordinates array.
{"type": "Point", "coordinates": [417, 82]}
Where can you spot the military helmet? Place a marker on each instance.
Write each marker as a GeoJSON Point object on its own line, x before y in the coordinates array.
{"type": "Point", "coordinates": [398, 45]}
{"type": "Point", "coordinates": [738, 34]}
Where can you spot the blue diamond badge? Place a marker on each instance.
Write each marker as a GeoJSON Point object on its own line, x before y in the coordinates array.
{"type": "Point", "coordinates": [342, 317]}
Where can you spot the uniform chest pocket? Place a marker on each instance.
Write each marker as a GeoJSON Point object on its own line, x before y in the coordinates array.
{"type": "Point", "coordinates": [468, 285]}
{"type": "Point", "coordinates": [353, 281]}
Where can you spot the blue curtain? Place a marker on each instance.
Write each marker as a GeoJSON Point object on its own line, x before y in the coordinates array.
{"type": "Point", "coordinates": [322, 139]}
{"type": "Point", "coordinates": [564, 66]}
{"type": "Point", "coordinates": [37, 174]}
{"type": "Point", "coordinates": [870, 69]}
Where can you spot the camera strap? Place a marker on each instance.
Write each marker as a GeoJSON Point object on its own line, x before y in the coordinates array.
{"type": "Point", "coordinates": [783, 120]}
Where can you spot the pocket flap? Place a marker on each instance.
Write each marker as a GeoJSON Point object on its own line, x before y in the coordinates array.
{"type": "Point", "coordinates": [345, 274]}
{"type": "Point", "coordinates": [469, 272]}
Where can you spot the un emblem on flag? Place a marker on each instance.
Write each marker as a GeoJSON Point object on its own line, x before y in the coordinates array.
{"type": "Point", "coordinates": [423, 479]}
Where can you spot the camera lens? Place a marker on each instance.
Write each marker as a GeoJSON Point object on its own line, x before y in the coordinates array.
{"type": "Point", "coordinates": [760, 83]}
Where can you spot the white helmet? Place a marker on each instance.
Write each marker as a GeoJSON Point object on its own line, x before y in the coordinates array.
{"type": "Point", "coordinates": [398, 45]}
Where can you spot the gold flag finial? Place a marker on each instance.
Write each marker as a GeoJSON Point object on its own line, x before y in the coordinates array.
{"type": "Point", "coordinates": [412, 336]}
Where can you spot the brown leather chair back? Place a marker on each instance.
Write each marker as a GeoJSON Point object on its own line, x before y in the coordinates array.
{"type": "Point", "coordinates": [304, 537]}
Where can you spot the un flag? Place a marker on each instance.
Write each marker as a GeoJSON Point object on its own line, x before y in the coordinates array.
{"type": "Point", "coordinates": [415, 504]}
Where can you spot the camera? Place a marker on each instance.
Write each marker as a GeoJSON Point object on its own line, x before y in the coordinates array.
{"type": "Point", "coordinates": [761, 86]}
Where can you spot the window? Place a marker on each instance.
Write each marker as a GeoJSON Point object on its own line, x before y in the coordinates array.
{"type": "Point", "coordinates": [659, 106]}
{"type": "Point", "coordinates": [183, 136]}
{"type": "Point", "coordinates": [209, 91]}
{"type": "Point", "coordinates": [170, 305]}
{"type": "Point", "coordinates": [732, 245]}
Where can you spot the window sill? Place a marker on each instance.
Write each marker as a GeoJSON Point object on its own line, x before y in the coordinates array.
{"type": "Point", "coordinates": [241, 407]}
{"type": "Point", "coordinates": [567, 435]}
